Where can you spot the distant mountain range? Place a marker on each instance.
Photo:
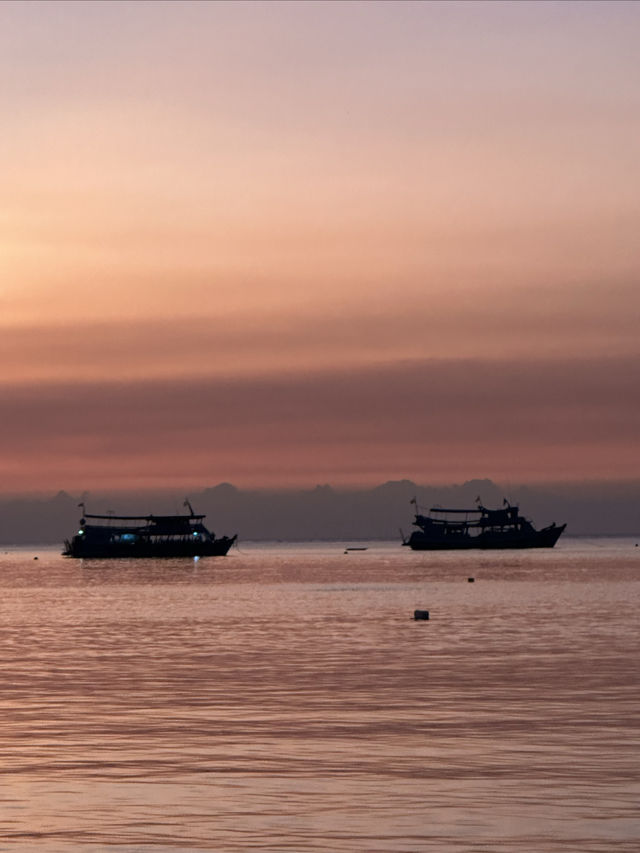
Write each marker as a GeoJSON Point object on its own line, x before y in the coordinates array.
{"type": "Point", "coordinates": [325, 513]}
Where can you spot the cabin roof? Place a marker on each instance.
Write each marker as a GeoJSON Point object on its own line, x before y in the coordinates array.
{"type": "Point", "coordinates": [155, 518]}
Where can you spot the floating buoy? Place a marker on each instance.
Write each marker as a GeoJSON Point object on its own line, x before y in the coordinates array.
{"type": "Point", "coordinates": [35, 558]}
{"type": "Point", "coordinates": [420, 614]}
{"type": "Point", "coordinates": [471, 580]}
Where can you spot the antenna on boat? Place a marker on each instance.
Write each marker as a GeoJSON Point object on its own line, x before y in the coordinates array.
{"type": "Point", "coordinates": [188, 505]}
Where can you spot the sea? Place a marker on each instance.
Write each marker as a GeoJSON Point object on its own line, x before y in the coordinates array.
{"type": "Point", "coordinates": [284, 698]}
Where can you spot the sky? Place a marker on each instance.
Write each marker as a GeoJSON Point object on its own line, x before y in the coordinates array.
{"type": "Point", "coordinates": [281, 244]}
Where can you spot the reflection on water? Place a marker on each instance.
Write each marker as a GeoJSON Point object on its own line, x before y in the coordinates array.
{"type": "Point", "coordinates": [283, 698]}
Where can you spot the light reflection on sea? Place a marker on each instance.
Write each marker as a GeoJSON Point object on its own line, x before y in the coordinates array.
{"type": "Point", "coordinates": [283, 698]}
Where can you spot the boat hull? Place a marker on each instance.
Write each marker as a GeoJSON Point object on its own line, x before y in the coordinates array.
{"type": "Point", "coordinates": [82, 548]}
{"type": "Point", "coordinates": [486, 541]}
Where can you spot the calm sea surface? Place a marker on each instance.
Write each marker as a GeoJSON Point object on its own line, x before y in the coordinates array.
{"type": "Point", "coordinates": [284, 699]}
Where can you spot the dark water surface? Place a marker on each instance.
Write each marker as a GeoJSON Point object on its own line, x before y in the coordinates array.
{"type": "Point", "coordinates": [283, 699]}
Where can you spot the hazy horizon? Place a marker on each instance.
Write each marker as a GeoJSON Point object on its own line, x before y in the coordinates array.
{"type": "Point", "coordinates": [328, 513]}
{"type": "Point", "coordinates": [178, 493]}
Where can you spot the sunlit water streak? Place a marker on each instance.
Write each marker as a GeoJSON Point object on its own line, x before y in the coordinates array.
{"type": "Point", "coordinates": [283, 699]}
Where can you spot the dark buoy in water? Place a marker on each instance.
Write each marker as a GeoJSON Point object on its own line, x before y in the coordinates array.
{"type": "Point", "coordinates": [420, 614]}
{"type": "Point", "coordinates": [471, 580]}
{"type": "Point", "coordinates": [35, 558]}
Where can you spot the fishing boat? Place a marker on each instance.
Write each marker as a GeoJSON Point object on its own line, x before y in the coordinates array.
{"type": "Point", "coordinates": [108, 536]}
{"type": "Point", "coordinates": [460, 529]}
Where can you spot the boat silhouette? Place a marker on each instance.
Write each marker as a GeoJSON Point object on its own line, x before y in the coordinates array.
{"type": "Point", "coordinates": [108, 536]}
{"type": "Point", "coordinates": [478, 528]}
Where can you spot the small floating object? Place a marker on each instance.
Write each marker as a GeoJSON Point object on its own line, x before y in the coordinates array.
{"type": "Point", "coordinates": [471, 580]}
{"type": "Point", "coordinates": [354, 549]}
{"type": "Point", "coordinates": [35, 558]}
{"type": "Point", "coordinates": [420, 614]}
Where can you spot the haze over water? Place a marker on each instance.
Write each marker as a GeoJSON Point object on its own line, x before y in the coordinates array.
{"type": "Point", "coordinates": [283, 698]}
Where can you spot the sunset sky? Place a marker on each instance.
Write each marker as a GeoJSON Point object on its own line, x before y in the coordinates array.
{"type": "Point", "coordinates": [281, 244]}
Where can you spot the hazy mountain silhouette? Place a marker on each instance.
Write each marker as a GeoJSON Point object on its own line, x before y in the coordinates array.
{"type": "Point", "coordinates": [327, 513]}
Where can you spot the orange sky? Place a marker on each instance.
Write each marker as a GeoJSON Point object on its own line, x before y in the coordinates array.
{"type": "Point", "coordinates": [281, 244]}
